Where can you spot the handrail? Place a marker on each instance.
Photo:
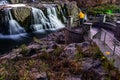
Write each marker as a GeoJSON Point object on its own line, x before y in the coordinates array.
{"type": "Point", "coordinates": [109, 40]}
{"type": "Point", "coordinates": [111, 36]}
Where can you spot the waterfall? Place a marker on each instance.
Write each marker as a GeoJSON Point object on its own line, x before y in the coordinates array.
{"type": "Point", "coordinates": [3, 2]}
{"type": "Point", "coordinates": [55, 22]}
{"type": "Point", "coordinates": [42, 23]}
{"type": "Point", "coordinates": [52, 11]}
{"type": "Point", "coordinates": [63, 16]}
{"type": "Point", "coordinates": [14, 27]}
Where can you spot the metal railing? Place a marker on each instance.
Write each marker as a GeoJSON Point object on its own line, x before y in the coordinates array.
{"type": "Point", "coordinates": [108, 39]}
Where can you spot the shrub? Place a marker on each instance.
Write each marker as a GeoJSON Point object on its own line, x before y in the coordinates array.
{"type": "Point", "coordinates": [24, 50]}
{"type": "Point", "coordinates": [103, 9]}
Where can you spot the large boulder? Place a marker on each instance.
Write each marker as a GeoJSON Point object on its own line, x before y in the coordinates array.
{"type": "Point", "coordinates": [72, 11]}
{"type": "Point", "coordinates": [22, 15]}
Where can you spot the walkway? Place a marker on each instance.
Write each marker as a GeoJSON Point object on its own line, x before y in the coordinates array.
{"type": "Point", "coordinates": [104, 48]}
{"type": "Point", "coordinates": [107, 43]}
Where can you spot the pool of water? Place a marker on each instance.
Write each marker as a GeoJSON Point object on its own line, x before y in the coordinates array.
{"type": "Point", "coordinates": [8, 42]}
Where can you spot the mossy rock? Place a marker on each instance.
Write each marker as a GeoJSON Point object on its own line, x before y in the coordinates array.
{"type": "Point", "coordinates": [22, 15]}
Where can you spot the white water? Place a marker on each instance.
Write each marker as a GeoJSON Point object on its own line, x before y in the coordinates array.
{"type": "Point", "coordinates": [38, 28]}
{"type": "Point", "coordinates": [42, 23]}
{"type": "Point", "coordinates": [65, 20]}
{"type": "Point", "coordinates": [15, 5]}
{"type": "Point", "coordinates": [14, 27]}
{"type": "Point", "coordinates": [3, 2]}
{"type": "Point", "coordinates": [55, 22]}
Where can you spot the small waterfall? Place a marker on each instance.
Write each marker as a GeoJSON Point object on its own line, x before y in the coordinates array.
{"type": "Point", "coordinates": [55, 22]}
{"type": "Point", "coordinates": [14, 27]}
{"type": "Point", "coordinates": [64, 18]}
{"type": "Point", "coordinates": [52, 10]}
{"type": "Point", "coordinates": [3, 2]}
{"type": "Point", "coordinates": [42, 23]}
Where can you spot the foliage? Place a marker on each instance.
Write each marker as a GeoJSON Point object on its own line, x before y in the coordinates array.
{"type": "Point", "coordinates": [56, 65]}
{"type": "Point", "coordinates": [79, 53]}
{"type": "Point", "coordinates": [37, 40]}
{"type": "Point", "coordinates": [24, 50]}
{"type": "Point", "coordinates": [103, 9]}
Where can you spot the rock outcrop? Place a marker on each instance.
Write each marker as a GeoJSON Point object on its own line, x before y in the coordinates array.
{"type": "Point", "coordinates": [88, 3]}
{"type": "Point", "coordinates": [22, 15]}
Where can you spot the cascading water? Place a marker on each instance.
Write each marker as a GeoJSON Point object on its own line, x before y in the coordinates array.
{"type": "Point", "coordinates": [55, 22]}
{"type": "Point", "coordinates": [42, 23]}
{"type": "Point", "coordinates": [64, 18]}
{"type": "Point", "coordinates": [3, 2]}
{"type": "Point", "coordinates": [14, 27]}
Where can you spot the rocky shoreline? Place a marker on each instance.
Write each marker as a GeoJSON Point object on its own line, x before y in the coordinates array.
{"type": "Point", "coordinates": [50, 59]}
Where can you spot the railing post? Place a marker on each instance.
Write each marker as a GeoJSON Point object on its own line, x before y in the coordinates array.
{"type": "Point", "coordinates": [70, 21]}
{"type": "Point", "coordinates": [104, 37]}
{"type": "Point", "coordinates": [99, 37]}
{"type": "Point", "coordinates": [114, 48]}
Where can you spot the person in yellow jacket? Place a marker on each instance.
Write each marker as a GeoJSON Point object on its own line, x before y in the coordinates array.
{"type": "Point", "coordinates": [81, 16]}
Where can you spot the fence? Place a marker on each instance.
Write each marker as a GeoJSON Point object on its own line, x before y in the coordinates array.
{"type": "Point", "coordinates": [72, 37]}
{"type": "Point", "coordinates": [108, 39]}
{"type": "Point", "coordinates": [77, 34]}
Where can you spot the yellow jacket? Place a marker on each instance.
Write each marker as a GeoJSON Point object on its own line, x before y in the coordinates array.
{"type": "Point", "coordinates": [81, 15]}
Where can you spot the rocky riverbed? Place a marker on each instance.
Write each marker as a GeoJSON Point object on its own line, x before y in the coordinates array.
{"type": "Point", "coordinates": [50, 59]}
